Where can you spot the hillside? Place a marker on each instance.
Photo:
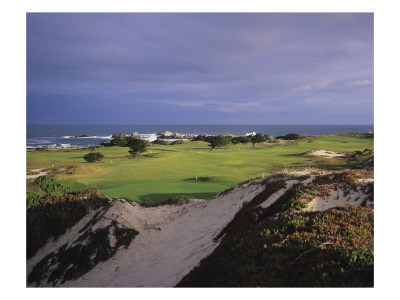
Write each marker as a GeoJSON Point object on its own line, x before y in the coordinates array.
{"type": "Point", "coordinates": [248, 235]}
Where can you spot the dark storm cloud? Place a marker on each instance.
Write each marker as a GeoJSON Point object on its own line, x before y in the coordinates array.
{"type": "Point", "coordinates": [250, 68]}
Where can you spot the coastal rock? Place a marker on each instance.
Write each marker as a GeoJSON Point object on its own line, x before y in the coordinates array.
{"type": "Point", "coordinates": [177, 135]}
{"type": "Point", "coordinates": [168, 134]}
{"type": "Point", "coordinates": [83, 135]}
{"type": "Point", "coordinates": [121, 135]}
{"type": "Point", "coordinates": [189, 136]}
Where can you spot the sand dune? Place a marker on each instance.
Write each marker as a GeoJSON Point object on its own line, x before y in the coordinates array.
{"type": "Point", "coordinates": [173, 239]}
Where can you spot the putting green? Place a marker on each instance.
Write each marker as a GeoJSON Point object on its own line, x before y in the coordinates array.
{"type": "Point", "coordinates": [172, 170]}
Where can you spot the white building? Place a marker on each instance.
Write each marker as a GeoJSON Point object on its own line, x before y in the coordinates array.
{"type": "Point", "coordinates": [148, 137]}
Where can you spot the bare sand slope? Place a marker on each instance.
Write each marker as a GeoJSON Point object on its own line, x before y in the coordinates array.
{"type": "Point", "coordinates": [340, 196]}
{"type": "Point", "coordinates": [41, 172]}
{"type": "Point", "coordinates": [171, 241]}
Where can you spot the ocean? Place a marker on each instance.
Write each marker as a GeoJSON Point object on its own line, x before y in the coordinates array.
{"type": "Point", "coordinates": [57, 136]}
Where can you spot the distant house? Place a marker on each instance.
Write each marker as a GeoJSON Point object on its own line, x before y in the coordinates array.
{"type": "Point", "coordinates": [148, 137]}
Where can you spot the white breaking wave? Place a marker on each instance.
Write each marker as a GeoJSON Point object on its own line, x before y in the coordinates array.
{"type": "Point", "coordinates": [88, 137]}
{"type": "Point", "coordinates": [102, 137]}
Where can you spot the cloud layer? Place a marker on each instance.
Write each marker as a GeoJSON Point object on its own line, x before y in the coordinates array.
{"type": "Point", "coordinates": [200, 68]}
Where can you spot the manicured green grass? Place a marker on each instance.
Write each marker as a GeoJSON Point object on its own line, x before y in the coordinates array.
{"type": "Point", "coordinates": [172, 170]}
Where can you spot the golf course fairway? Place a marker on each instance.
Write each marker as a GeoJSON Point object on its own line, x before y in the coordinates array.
{"type": "Point", "coordinates": [191, 169]}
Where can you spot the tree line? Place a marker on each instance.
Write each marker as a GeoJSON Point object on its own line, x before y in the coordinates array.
{"type": "Point", "coordinates": [137, 146]}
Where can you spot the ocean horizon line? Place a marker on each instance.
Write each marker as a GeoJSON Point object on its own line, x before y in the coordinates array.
{"type": "Point", "coordinates": [227, 124]}
{"type": "Point", "coordinates": [58, 135]}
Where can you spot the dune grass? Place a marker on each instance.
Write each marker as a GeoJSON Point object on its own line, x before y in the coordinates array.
{"type": "Point", "coordinates": [171, 170]}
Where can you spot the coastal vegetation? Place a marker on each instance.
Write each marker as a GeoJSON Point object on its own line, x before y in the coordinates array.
{"type": "Point", "coordinates": [93, 156]}
{"type": "Point", "coordinates": [136, 146]}
{"type": "Point", "coordinates": [171, 170]}
{"type": "Point", "coordinates": [52, 215]}
{"type": "Point", "coordinates": [52, 208]}
{"type": "Point", "coordinates": [257, 138]}
{"type": "Point", "coordinates": [177, 142]}
{"type": "Point", "coordinates": [285, 246]}
{"type": "Point", "coordinates": [240, 140]}
{"type": "Point", "coordinates": [332, 248]}
{"type": "Point", "coordinates": [218, 141]}
{"type": "Point", "coordinates": [290, 136]}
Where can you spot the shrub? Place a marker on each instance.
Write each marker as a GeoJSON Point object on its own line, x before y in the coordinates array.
{"type": "Point", "coordinates": [49, 185]}
{"type": "Point", "coordinates": [160, 142]}
{"type": "Point", "coordinates": [178, 142]}
{"type": "Point", "coordinates": [200, 138]}
{"type": "Point", "coordinates": [180, 199]}
{"type": "Point", "coordinates": [93, 156]}
{"type": "Point", "coordinates": [290, 136]}
{"type": "Point", "coordinates": [119, 141]}
{"type": "Point", "coordinates": [241, 140]}
{"type": "Point", "coordinates": [105, 144]}
{"type": "Point", "coordinates": [32, 198]}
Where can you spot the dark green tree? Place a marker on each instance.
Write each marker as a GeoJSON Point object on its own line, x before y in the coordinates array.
{"type": "Point", "coordinates": [257, 138]}
{"type": "Point", "coordinates": [292, 136]}
{"type": "Point", "coordinates": [119, 141]}
{"type": "Point", "coordinates": [93, 156]}
{"type": "Point", "coordinates": [218, 141]}
{"type": "Point", "coordinates": [240, 140]}
{"type": "Point", "coordinates": [136, 146]}
{"type": "Point", "coordinates": [200, 137]}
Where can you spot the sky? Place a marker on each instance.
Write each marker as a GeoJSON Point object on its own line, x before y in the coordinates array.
{"type": "Point", "coordinates": [200, 68]}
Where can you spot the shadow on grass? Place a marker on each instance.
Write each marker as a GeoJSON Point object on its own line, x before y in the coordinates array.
{"type": "Point", "coordinates": [207, 149]}
{"type": "Point", "coordinates": [200, 179]}
{"type": "Point", "coordinates": [294, 154]}
{"type": "Point", "coordinates": [164, 150]}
